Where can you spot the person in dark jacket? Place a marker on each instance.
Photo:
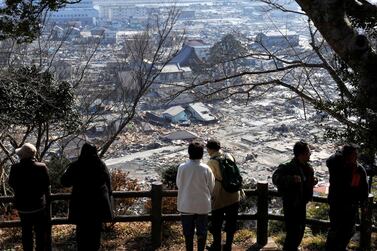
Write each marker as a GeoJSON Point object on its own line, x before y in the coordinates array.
{"type": "Point", "coordinates": [295, 181]}
{"type": "Point", "coordinates": [348, 190]}
{"type": "Point", "coordinates": [30, 182]}
{"type": "Point", "coordinates": [90, 204]}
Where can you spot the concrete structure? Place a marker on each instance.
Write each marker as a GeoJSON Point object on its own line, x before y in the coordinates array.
{"type": "Point", "coordinates": [122, 12]}
{"type": "Point", "coordinates": [180, 135]}
{"type": "Point", "coordinates": [201, 113]}
{"type": "Point", "coordinates": [278, 39]}
{"type": "Point", "coordinates": [82, 12]}
{"type": "Point", "coordinates": [174, 73]}
{"type": "Point", "coordinates": [175, 114]}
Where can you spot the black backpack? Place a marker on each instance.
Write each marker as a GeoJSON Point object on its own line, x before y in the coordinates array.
{"type": "Point", "coordinates": [232, 179]}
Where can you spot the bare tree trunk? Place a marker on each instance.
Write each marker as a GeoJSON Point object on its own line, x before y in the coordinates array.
{"type": "Point", "coordinates": [331, 19]}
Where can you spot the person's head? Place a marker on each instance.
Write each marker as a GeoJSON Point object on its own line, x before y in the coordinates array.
{"type": "Point", "coordinates": [26, 151]}
{"type": "Point", "coordinates": [195, 150]}
{"type": "Point", "coordinates": [301, 151]}
{"type": "Point", "coordinates": [350, 153]}
{"type": "Point", "coordinates": [88, 151]}
{"type": "Point", "coordinates": [213, 146]}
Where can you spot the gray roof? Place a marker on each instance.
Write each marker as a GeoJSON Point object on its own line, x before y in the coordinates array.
{"type": "Point", "coordinates": [181, 135]}
{"type": "Point", "coordinates": [186, 56]}
{"type": "Point", "coordinates": [174, 110]}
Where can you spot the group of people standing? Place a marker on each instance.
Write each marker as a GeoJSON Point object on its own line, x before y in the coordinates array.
{"type": "Point", "coordinates": [89, 204]}
{"type": "Point", "coordinates": [348, 190]}
{"type": "Point", "coordinates": [200, 192]}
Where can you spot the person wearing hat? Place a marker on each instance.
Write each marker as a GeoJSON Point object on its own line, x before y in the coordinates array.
{"type": "Point", "coordinates": [348, 190]}
{"type": "Point", "coordinates": [30, 182]}
{"type": "Point", "coordinates": [90, 204]}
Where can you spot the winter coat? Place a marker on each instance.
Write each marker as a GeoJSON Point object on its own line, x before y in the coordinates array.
{"type": "Point", "coordinates": [294, 193]}
{"type": "Point", "coordinates": [30, 182]}
{"type": "Point", "coordinates": [195, 182]}
{"type": "Point", "coordinates": [341, 192]}
{"type": "Point", "coordinates": [220, 197]}
{"type": "Point", "coordinates": [91, 191]}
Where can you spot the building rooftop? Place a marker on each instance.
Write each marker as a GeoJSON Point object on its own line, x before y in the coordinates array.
{"type": "Point", "coordinates": [174, 110]}
{"type": "Point", "coordinates": [196, 43]}
{"type": "Point", "coordinates": [202, 112]}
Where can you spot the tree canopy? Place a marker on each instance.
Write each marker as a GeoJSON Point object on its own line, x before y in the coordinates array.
{"type": "Point", "coordinates": [23, 19]}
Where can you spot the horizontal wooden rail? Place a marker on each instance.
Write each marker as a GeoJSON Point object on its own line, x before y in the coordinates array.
{"type": "Point", "coordinates": [156, 217]}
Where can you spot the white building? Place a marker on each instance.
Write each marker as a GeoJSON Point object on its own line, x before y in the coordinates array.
{"type": "Point", "coordinates": [83, 12]}
{"type": "Point", "coordinates": [201, 113]}
{"type": "Point", "coordinates": [278, 38]}
{"type": "Point", "coordinates": [174, 73]}
{"type": "Point", "coordinates": [122, 12]}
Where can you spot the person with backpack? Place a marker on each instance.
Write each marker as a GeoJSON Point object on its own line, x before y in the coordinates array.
{"type": "Point", "coordinates": [225, 197]}
{"type": "Point", "coordinates": [347, 192]}
{"type": "Point", "coordinates": [295, 181]}
{"type": "Point", "coordinates": [195, 183]}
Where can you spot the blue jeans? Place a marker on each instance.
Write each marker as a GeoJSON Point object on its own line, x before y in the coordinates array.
{"type": "Point", "coordinates": [190, 222]}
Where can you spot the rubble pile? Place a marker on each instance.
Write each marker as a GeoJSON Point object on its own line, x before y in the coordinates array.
{"type": "Point", "coordinates": [260, 135]}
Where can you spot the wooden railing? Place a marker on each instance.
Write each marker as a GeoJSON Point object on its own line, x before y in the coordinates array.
{"type": "Point", "coordinates": [156, 217]}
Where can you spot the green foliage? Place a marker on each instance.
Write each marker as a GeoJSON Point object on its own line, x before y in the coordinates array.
{"type": "Point", "coordinates": [31, 98]}
{"type": "Point", "coordinates": [229, 50]}
{"type": "Point", "coordinates": [169, 175]}
{"type": "Point", "coordinates": [316, 242]}
{"type": "Point", "coordinates": [22, 19]}
{"type": "Point", "coordinates": [56, 167]}
{"type": "Point", "coordinates": [318, 211]}
{"type": "Point", "coordinates": [275, 227]}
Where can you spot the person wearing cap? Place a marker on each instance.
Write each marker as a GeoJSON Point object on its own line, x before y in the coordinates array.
{"type": "Point", "coordinates": [295, 182]}
{"type": "Point", "coordinates": [348, 190]}
{"type": "Point", "coordinates": [30, 182]}
{"type": "Point", "coordinates": [195, 183]}
{"type": "Point", "coordinates": [225, 205]}
{"type": "Point", "coordinates": [90, 203]}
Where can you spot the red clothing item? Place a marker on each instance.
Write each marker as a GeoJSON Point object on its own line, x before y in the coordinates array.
{"type": "Point", "coordinates": [355, 178]}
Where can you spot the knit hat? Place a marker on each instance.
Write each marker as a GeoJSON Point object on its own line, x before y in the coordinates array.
{"type": "Point", "coordinates": [26, 151]}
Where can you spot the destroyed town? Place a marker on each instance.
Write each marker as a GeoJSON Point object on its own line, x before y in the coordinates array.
{"type": "Point", "coordinates": [142, 81]}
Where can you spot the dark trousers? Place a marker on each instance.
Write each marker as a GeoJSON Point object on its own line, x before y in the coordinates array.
{"type": "Point", "coordinates": [229, 215]}
{"type": "Point", "coordinates": [190, 222]}
{"type": "Point", "coordinates": [342, 226]}
{"type": "Point", "coordinates": [38, 222]}
{"type": "Point", "coordinates": [294, 217]}
{"type": "Point", "coordinates": [88, 236]}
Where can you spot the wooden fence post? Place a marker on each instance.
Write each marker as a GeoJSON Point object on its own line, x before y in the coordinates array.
{"type": "Point", "coordinates": [366, 225]}
{"type": "Point", "coordinates": [156, 214]}
{"type": "Point", "coordinates": [262, 213]}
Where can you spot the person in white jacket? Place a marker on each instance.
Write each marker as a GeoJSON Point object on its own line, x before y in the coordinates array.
{"type": "Point", "coordinates": [195, 182]}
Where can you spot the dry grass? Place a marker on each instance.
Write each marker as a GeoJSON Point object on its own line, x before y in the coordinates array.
{"type": "Point", "coordinates": [136, 236]}
{"type": "Point", "coordinates": [121, 236]}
